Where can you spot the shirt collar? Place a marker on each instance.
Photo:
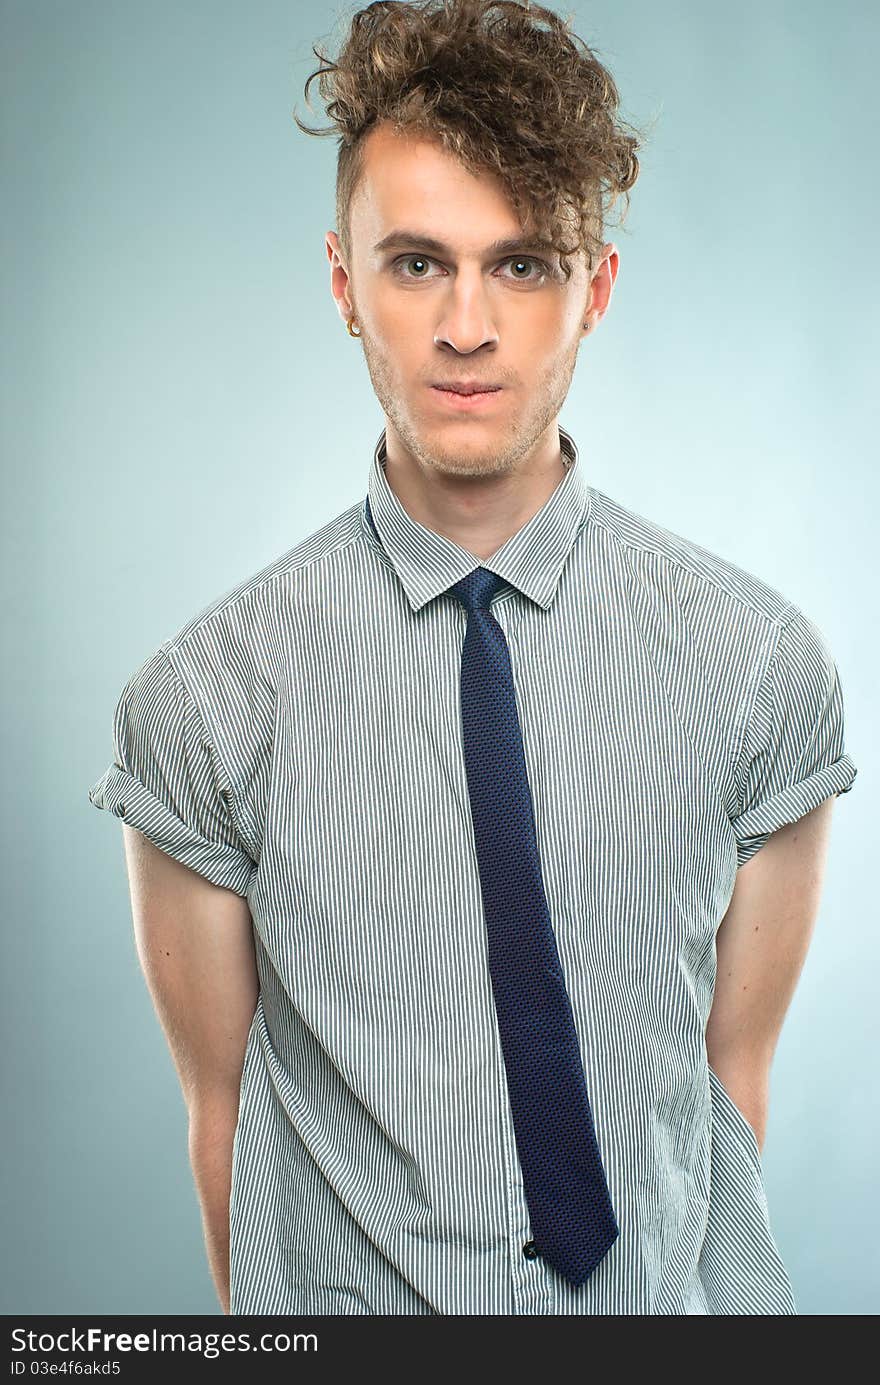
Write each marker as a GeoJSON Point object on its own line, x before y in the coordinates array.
{"type": "Point", "coordinates": [427, 563]}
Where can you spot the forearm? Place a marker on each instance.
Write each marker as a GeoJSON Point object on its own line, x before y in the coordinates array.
{"type": "Point", "coordinates": [761, 945]}
{"type": "Point", "coordinates": [746, 1077]}
{"type": "Point", "coordinates": [211, 1134]}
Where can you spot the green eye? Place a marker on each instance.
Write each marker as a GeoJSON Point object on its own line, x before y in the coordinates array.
{"type": "Point", "coordinates": [530, 263]}
{"type": "Point", "coordinates": [404, 268]}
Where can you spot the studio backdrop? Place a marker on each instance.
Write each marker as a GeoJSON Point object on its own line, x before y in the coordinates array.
{"type": "Point", "coordinates": [181, 404]}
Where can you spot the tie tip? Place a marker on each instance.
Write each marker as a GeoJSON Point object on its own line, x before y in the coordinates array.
{"type": "Point", "coordinates": [578, 1273]}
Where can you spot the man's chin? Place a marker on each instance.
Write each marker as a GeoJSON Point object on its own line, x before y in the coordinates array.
{"type": "Point", "coordinates": [461, 464]}
{"type": "Point", "coordinates": [465, 451]}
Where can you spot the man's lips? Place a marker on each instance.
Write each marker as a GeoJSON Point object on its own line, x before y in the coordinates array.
{"type": "Point", "coordinates": [467, 389]}
{"type": "Point", "coordinates": [472, 399]}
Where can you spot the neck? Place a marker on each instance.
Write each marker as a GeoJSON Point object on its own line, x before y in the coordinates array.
{"type": "Point", "coordinates": [479, 513]}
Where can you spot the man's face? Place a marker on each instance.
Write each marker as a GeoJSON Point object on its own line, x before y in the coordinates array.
{"type": "Point", "coordinates": [432, 316]}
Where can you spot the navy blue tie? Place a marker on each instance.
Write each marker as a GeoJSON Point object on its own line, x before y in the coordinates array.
{"type": "Point", "coordinates": [570, 1209]}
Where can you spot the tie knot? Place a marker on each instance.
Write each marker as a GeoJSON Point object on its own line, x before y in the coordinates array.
{"type": "Point", "coordinates": [478, 590]}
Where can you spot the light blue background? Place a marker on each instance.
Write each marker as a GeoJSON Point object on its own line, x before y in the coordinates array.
{"type": "Point", "coordinates": [181, 404]}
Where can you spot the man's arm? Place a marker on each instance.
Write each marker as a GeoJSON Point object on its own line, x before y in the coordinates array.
{"type": "Point", "coordinates": [195, 944]}
{"type": "Point", "coordinates": [761, 945]}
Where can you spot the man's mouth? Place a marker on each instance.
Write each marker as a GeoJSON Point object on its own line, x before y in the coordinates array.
{"type": "Point", "coordinates": [467, 398]}
{"type": "Point", "coordinates": [467, 387]}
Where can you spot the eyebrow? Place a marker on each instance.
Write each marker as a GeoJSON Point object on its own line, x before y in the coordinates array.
{"type": "Point", "coordinates": [419, 240]}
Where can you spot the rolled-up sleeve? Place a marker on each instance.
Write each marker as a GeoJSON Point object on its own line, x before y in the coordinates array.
{"type": "Point", "coordinates": [793, 754]}
{"type": "Point", "coordinates": [168, 780]}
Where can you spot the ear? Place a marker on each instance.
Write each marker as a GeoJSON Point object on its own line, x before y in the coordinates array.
{"type": "Point", "coordinates": [339, 278]}
{"type": "Point", "coordinates": [602, 281]}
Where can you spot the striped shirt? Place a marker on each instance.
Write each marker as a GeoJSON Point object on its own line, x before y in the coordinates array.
{"type": "Point", "coordinates": [299, 742]}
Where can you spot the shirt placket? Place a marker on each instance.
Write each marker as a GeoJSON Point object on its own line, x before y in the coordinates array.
{"type": "Point", "coordinates": [532, 1292]}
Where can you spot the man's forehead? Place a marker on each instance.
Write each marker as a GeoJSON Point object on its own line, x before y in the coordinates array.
{"type": "Point", "coordinates": [401, 170]}
{"type": "Point", "coordinates": [388, 141]}
{"type": "Point", "coordinates": [396, 199]}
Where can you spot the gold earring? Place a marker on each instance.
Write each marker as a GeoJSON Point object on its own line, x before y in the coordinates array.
{"type": "Point", "coordinates": [350, 325]}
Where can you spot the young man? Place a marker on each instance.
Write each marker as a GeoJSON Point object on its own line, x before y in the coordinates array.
{"type": "Point", "coordinates": [475, 843]}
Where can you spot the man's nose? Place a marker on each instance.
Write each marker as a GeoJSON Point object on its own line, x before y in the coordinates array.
{"type": "Point", "coordinates": [467, 321]}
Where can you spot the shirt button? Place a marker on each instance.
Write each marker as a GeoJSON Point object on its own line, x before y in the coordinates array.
{"type": "Point", "coordinates": [530, 1250]}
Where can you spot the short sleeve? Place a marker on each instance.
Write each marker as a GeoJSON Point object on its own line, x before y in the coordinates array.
{"type": "Point", "coordinates": [167, 779]}
{"type": "Point", "coordinates": [793, 754]}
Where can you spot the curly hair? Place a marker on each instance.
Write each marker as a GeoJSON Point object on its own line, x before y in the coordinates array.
{"type": "Point", "coordinates": [506, 88]}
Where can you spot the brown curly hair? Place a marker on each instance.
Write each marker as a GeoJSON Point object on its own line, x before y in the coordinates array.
{"type": "Point", "coordinates": [505, 87]}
